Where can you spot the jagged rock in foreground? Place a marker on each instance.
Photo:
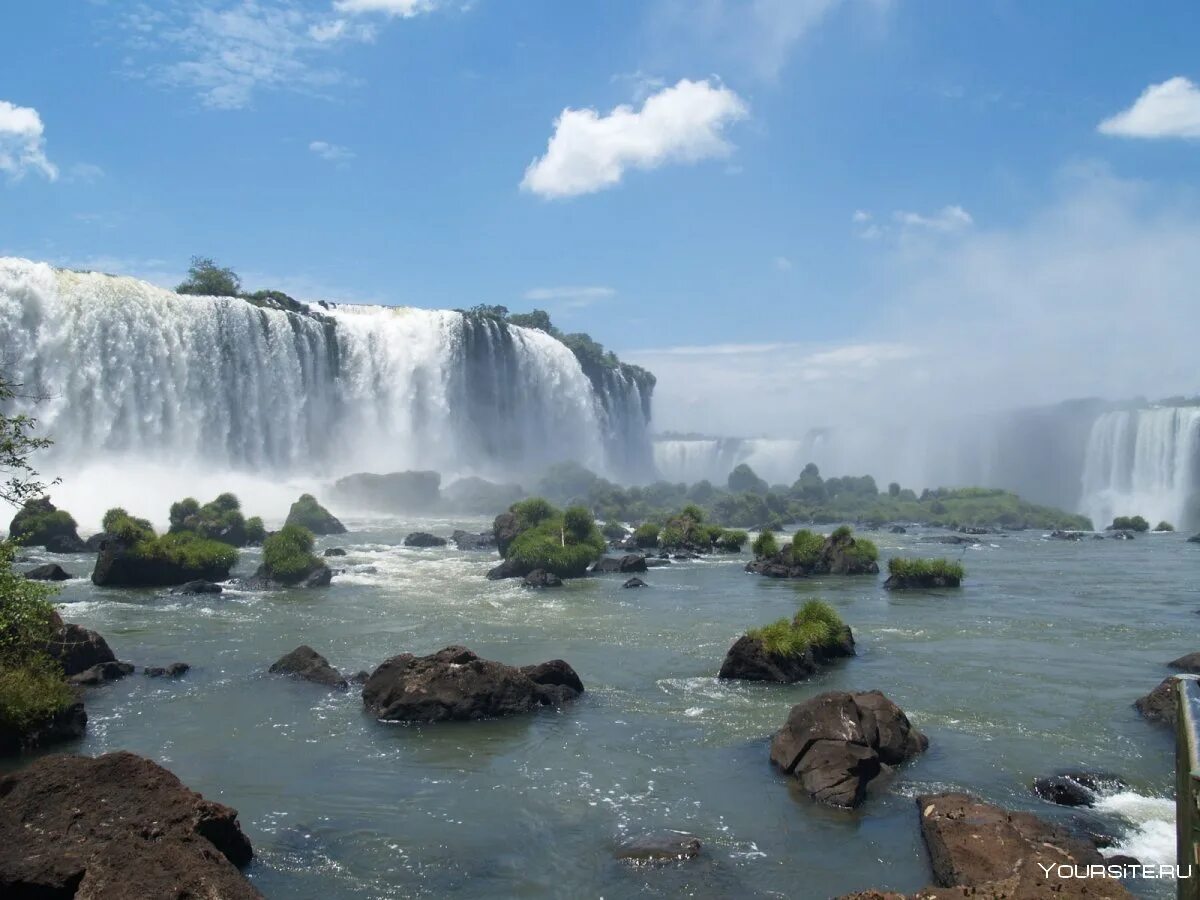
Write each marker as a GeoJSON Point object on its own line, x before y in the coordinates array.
{"type": "Point", "coordinates": [750, 660]}
{"type": "Point", "coordinates": [982, 851]}
{"type": "Point", "coordinates": [1160, 704]}
{"type": "Point", "coordinates": [455, 684]}
{"type": "Point", "coordinates": [117, 827]}
{"type": "Point", "coordinates": [837, 743]}
{"type": "Point", "coordinates": [306, 663]}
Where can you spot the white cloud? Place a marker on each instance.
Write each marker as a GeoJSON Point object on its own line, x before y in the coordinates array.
{"type": "Point", "coordinates": [569, 297]}
{"type": "Point", "coordinates": [340, 30]}
{"type": "Point", "coordinates": [22, 142]}
{"type": "Point", "coordinates": [1167, 110]}
{"type": "Point", "coordinates": [589, 151]}
{"type": "Point", "coordinates": [334, 153]}
{"type": "Point", "coordinates": [783, 264]}
{"type": "Point", "coordinates": [947, 219]}
{"type": "Point", "coordinates": [400, 8]}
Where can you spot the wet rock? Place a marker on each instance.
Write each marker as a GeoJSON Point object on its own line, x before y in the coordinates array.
{"type": "Point", "coordinates": [1062, 535]}
{"type": "Point", "coordinates": [629, 563]}
{"type": "Point", "coordinates": [837, 743]}
{"type": "Point", "coordinates": [174, 670]}
{"type": "Point", "coordinates": [1121, 535]}
{"type": "Point", "coordinates": [335, 551]}
{"type": "Point", "coordinates": [654, 562]}
{"type": "Point", "coordinates": [1160, 704]}
{"type": "Point", "coordinates": [101, 673]}
{"type": "Point", "coordinates": [94, 542]}
{"type": "Point", "coordinates": [360, 677]}
{"type": "Point", "coordinates": [1077, 788]}
{"type": "Point", "coordinates": [119, 566]}
{"type": "Point", "coordinates": [468, 540]}
{"type": "Point", "coordinates": [117, 827]}
{"type": "Point", "coordinates": [48, 572]}
{"type": "Point", "coordinates": [635, 582]}
{"type": "Point", "coordinates": [306, 663]}
{"type": "Point", "coordinates": [77, 649]}
{"type": "Point", "coordinates": [1120, 859]}
{"type": "Point", "coordinates": [505, 529]}
{"type": "Point", "coordinates": [540, 578]}
{"type": "Point", "coordinates": [456, 684]}
{"type": "Point", "coordinates": [65, 543]}
{"type": "Point", "coordinates": [748, 659]}
{"type": "Point", "coordinates": [664, 847]}
{"type": "Point", "coordinates": [424, 539]}
{"type": "Point", "coordinates": [66, 724]}
{"type": "Point", "coordinates": [898, 529]}
{"type": "Point", "coordinates": [837, 556]}
{"type": "Point", "coordinates": [197, 587]}
{"type": "Point", "coordinates": [318, 577]}
{"type": "Point", "coordinates": [1189, 663]}
{"type": "Point", "coordinates": [508, 568]}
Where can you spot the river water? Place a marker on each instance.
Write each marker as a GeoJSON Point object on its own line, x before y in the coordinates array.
{"type": "Point", "coordinates": [1032, 666]}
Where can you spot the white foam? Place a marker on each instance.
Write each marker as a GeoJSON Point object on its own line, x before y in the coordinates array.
{"type": "Point", "coordinates": [1151, 839]}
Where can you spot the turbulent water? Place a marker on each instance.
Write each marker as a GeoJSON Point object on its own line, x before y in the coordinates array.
{"type": "Point", "coordinates": [129, 370]}
{"type": "Point", "coordinates": [1032, 666]}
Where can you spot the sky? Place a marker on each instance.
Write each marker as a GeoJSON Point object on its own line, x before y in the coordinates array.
{"type": "Point", "coordinates": [790, 210]}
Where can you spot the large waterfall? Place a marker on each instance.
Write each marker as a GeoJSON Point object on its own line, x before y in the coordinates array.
{"type": "Point", "coordinates": [117, 368]}
{"type": "Point", "coordinates": [1144, 462]}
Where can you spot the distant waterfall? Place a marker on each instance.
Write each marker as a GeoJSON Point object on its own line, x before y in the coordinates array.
{"type": "Point", "coordinates": [128, 369]}
{"type": "Point", "coordinates": [1143, 462]}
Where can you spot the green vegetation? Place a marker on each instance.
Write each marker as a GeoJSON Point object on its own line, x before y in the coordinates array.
{"type": "Point", "coordinates": [1164, 526]}
{"type": "Point", "coordinates": [859, 552]}
{"type": "Point", "coordinates": [288, 556]}
{"type": "Point", "coordinates": [613, 531]}
{"type": "Point", "coordinates": [806, 548]}
{"type": "Point", "coordinates": [817, 624]}
{"type": "Point", "coordinates": [765, 545]}
{"type": "Point", "coordinates": [256, 532]}
{"type": "Point", "coordinates": [924, 570]}
{"type": "Point", "coordinates": [18, 481]}
{"type": "Point", "coordinates": [564, 543]}
{"type": "Point", "coordinates": [646, 535]}
{"type": "Point", "coordinates": [742, 480]}
{"type": "Point", "coordinates": [179, 548]}
{"type": "Point", "coordinates": [1129, 523]}
{"type": "Point", "coordinates": [38, 521]}
{"type": "Point", "coordinates": [219, 520]}
{"type": "Point", "coordinates": [732, 541]}
{"type": "Point", "coordinates": [308, 513]}
{"type": "Point", "coordinates": [208, 279]}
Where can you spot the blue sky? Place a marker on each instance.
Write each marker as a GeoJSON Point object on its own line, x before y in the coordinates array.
{"type": "Point", "coordinates": [808, 191]}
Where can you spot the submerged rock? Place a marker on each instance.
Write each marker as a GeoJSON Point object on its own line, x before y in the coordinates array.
{"type": "Point", "coordinates": [101, 673]}
{"type": "Point", "coordinates": [198, 587]}
{"type": "Point", "coordinates": [1062, 535]}
{"type": "Point", "coordinates": [469, 540]}
{"type": "Point", "coordinates": [307, 664]}
{"type": "Point", "coordinates": [456, 684]}
{"type": "Point", "coordinates": [1160, 705]}
{"type": "Point", "coordinates": [635, 582]}
{"type": "Point", "coordinates": [837, 743]}
{"type": "Point", "coordinates": [1122, 535]}
{"type": "Point", "coordinates": [424, 539]}
{"type": "Point", "coordinates": [335, 551]}
{"type": "Point", "coordinates": [748, 659]}
{"type": "Point", "coordinates": [898, 529]}
{"type": "Point", "coordinates": [630, 562]}
{"type": "Point", "coordinates": [49, 572]}
{"type": "Point", "coordinates": [508, 568]}
{"type": "Point", "coordinates": [117, 827]}
{"type": "Point", "coordinates": [174, 670]}
{"type": "Point", "coordinates": [663, 847]}
{"type": "Point", "coordinates": [540, 578]}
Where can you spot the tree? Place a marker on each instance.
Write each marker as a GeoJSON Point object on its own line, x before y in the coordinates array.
{"type": "Point", "coordinates": [894, 489]}
{"type": "Point", "coordinates": [537, 318]}
{"type": "Point", "coordinates": [17, 443]}
{"type": "Point", "coordinates": [743, 480]}
{"type": "Point", "coordinates": [208, 279]}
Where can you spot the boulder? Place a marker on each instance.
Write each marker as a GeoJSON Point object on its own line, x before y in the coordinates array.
{"type": "Point", "coordinates": [540, 578]}
{"type": "Point", "coordinates": [1076, 788]}
{"type": "Point", "coordinates": [630, 562]}
{"type": "Point", "coordinates": [174, 670]}
{"type": "Point", "coordinates": [66, 724]}
{"type": "Point", "coordinates": [94, 542]}
{"type": "Point", "coordinates": [1160, 704]}
{"type": "Point", "coordinates": [39, 523]}
{"type": "Point", "coordinates": [898, 529]}
{"type": "Point", "coordinates": [635, 582]}
{"type": "Point", "coordinates": [1189, 663]}
{"type": "Point", "coordinates": [322, 576]}
{"type": "Point", "coordinates": [48, 572]}
{"type": "Point", "coordinates": [362, 676]}
{"type": "Point", "coordinates": [101, 673]}
{"type": "Point", "coordinates": [424, 539]}
{"type": "Point", "coordinates": [1122, 535]}
{"type": "Point", "coordinates": [308, 513]}
{"type": "Point", "coordinates": [306, 663]}
{"type": "Point", "coordinates": [77, 649]}
{"type": "Point", "coordinates": [505, 529]}
{"type": "Point", "coordinates": [664, 847]}
{"type": "Point", "coordinates": [455, 684]}
{"type": "Point", "coordinates": [117, 827]}
{"type": "Point", "coordinates": [118, 566]}
{"type": "Point", "coordinates": [837, 743]}
{"type": "Point", "coordinates": [748, 659]}
{"type": "Point", "coordinates": [334, 551]}
{"type": "Point", "coordinates": [198, 587]}
{"type": "Point", "coordinates": [64, 543]}
{"type": "Point", "coordinates": [396, 492]}
{"type": "Point", "coordinates": [319, 575]}
{"type": "Point", "coordinates": [469, 540]}
{"type": "Point", "coordinates": [508, 568]}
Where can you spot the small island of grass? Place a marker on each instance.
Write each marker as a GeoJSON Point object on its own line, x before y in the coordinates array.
{"type": "Point", "coordinates": [809, 553]}
{"type": "Point", "coordinates": [1129, 523]}
{"type": "Point", "coordinates": [790, 649]}
{"type": "Point", "coordinates": [907, 574]}
{"type": "Point", "coordinates": [134, 556]}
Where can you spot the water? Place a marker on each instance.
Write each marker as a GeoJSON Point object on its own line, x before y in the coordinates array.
{"type": "Point", "coordinates": [1030, 667]}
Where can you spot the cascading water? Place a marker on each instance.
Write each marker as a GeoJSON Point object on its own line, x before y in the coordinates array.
{"type": "Point", "coordinates": [125, 369]}
{"type": "Point", "coordinates": [1144, 462]}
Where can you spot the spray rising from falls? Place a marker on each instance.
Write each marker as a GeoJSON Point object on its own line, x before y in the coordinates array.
{"type": "Point", "coordinates": [127, 370]}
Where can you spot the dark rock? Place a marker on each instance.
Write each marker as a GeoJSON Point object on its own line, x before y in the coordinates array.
{"type": "Point", "coordinates": [39, 523]}
{"type": "Point", "coordinates": [396, 492]}
{"type": "Point", "coordinates": [335, 551]}
{"type": "Point", "coordinates": [956, 539]}
{"type": "Point", "coordinates": [424, 539]}
{"type": "Point", "coordinates": [66, 724]}
{"type": "Point", "coordinates": [469, 540]}
{"type": "Point", "coordinates": [749, 660]}
{"type": "Point", "coordinates": [654, 562]}
{"type": "Point", "coordinates": [318, 577]}
{"type": "Point", "coordinates": [1061, 535]}
{"type": "Point", "coordinates": [101, 673]}
{"type": "Point", "coordinates": [362, 676]}
{"type": "Point", "coordinates": [1160, 704]}
{"type": "Point", "coordinates": [306, 663]}
{"type": "Point", "coordinates": [197, 587]}
{"type": "Point", "coordinates": [174, 670]}
{"type": "Point", "coordinates": [64, 543]}
{"type": "Point", "coordinates": [1189, 663]}
{"type": "Point", "coordinates": [665, 847]}
{"type": "Point", "coordinates": [1077, 788]}
{"type": "Point", "coordinates": [48, 572]}
{"type": "Point", "coordinates": [117, 827]}
{"type": "Point", "coordinates": [540, 578]}
{"type": "Point", "coordinates": [1122, 535]}
{"type": "Point", "coordinates": [1120, 859]}
{"type": "Point", "coordinates": [455, 684]}
{"type": "Point", "coordinates": [505, 529]}
{"type": "Point", "coordinates": [630, 562]}
{"type": "Point", "coordinates": [308, 513]}
{"type": "Point", "coordinates": [898, 529]}
{"type": "Point", "coordinates": [836, 557]}
{"type": "Point", "coordinates": [93, 543]}
{"type": "Point", "coordinates": [508, 568]}
{"type": "Point", "coordinates": [635, 582]}
{"type": "Point", "coordinates": [686, 555]}
{"type": "Point", "coordinates": [835, 744]}
{"type": "Point", "coordinates": [118, 566]}
{"type": "Point", "coordinates": [920, 582]}
{"type": "Point", "coordinates": [77, 649]}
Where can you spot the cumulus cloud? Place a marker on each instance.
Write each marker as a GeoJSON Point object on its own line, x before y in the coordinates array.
{"type": "Point", "coordinates": [589, 151]}
{"type": "Point", "coordinates": [1167, 110]}
{"type": "Point", "coordinates": [334, 153]}
{"type": "Point", "coordinates": [569, 297]}
{"type": "Point", "coordinates": [22, 142]}
{"type": "Point", "coordinates": [400, 8]}
{"type": "Point", "coordinates": [947, 219]}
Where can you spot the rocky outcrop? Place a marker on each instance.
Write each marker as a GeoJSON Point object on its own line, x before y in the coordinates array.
{"type": "Point", "coordinates": [508, 568]}
{"type": "Point", "coordinates": [198, 587]}
{"type": "Point", "coordinates": [837, 556]}
{"type": "Point", "coordinates": [101, 673]}
{"type": "Point", "coordinates": [455, 684]}
{"type": "Point", "coordinates": [77, 649]}
{"type": "Point", "coordinates": [39, 523]}
{"type": "Point", "coordinates": [837, 743]}
{"type": "Point", "coordinates": [308, 513]}
{"type": "Point", "coordinates": [748, 659]}
{"type": "Point", "coordinates": [625, 565]}
{"type": "Point", "coordinates": [1160, 704]}
{"type": "Point", "coordinates": [505, 529]}
{"type": "Point", "coordinates": [540, 578]}
{"type": "Point", "coordinates": [1062, 535]}
{"type": "Point", "coordinates": [1189, 663]}
{"type": "Point", "coordinates": [94, 542]}
{"type": "Point", "coordinates": [424, 539]}
{"type": "Point", "coordinates": [118, 566]}
{"type": "Point", "coordinates": [48, 572]}
{"type": "Point", "coordinates": [66, 724]}
{"type": "Point", "coordinates": [469, 540]}
{"type": "Point", "coordinates": [118, 827]}
{"type": "Point", "coordinates": [174, 670]}
{"type": "Point", "coordinates": [664, 847]}
{"type": "Point", "coordinates": [307, 664]}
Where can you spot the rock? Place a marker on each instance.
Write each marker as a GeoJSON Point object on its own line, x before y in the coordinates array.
{"type": "Point", "coordinates": [455, 684]}
{"type": "Point", "coordinates": [956, 539]}
{"type": "Point", "coordinates": [39, 523]}
{"type": "Point", "coordinates": [77, 649]}
{"type": "Point", "coordinates": [469, 540]}
{"type": "Point", "coordinates": [424, 539]}
{"type": "Point", "coordinates": [1160, 704]}
{"type": "Point", "coordinates": [837, 556]}
{"type": "Point", "coordinates": [66, 724]}
{"type": "Point", "coordinates": [335, 551]}
{"type": "Point", "coordinates": [1061, 535]}
{"type": "Point", "coordinates": [835, 744]}
{"type": "Point", "coordinates": [921, 582]}
{"type": "Point", "coordinates": [1121, 535]}
{"type": "Point", "coordinates": [974, 529]}
{"type": "Point", "coordinates": [508, 568]}
{"type": "Point", "coordinates": [505, 529]}
{"type": "Point", "coordinates": [64, 543]}
{"type": "Point", "coordinates": [1189, 663]}
{"type": "Point", "coordinates": [117, 827]}
{"type": "Point", "coordinates": [1075, 788]}
{"type": "Point", "coordinates": [396, 492]}
{"type": "Point", "coordinates": [118, 566]}
{"type": "Point", "coordinates": [898, 529]}
{"type": "Point", "coordinates": [630, 562]}
{"type": "Point", "coordinates": [174, 670]}
{"type": "Point", "coordinates": [1120, 859]}
{"type": "Point", "coordinates": [101, 673]}
{"type": "Point", "coordinates": [748, 659]}
{"type": "Point", "coordinates": [1194, 539]}
{"type": "Point", "coordinates": [95, 542]}
{"type": "Point", "coordinates": [308, 513]}
{"type": "Point", "coordinates": [362, 676]}
{"type": "Point", "coordinates": [198, 587]}
{"type": "Point", "coordinates": [321, 576]}
{"type": "Point", "coordinates": [306, 663]}
{"type": "Point", "coordinates": [635, 582]}
{"type": "Point", "coordinates": [478, 495]}
{"type": "Point", "coordinates": [540, 578]}
{"type": "Point", "coordinates": [664, 847]}
{"type": "Point", "coordinates": [654, 562]}
{"type": "Point", "coordinates": [48, 572]}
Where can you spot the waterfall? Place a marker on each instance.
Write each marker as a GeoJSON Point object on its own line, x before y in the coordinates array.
{"type": "Point", "coordinates": [121, 368]}
{"type": "Point", "coordinates": [1143, 462]}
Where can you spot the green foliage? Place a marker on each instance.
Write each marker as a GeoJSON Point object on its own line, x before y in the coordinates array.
{"type": "Point", "coordinates": [287, 554]}
{"type": "Point", "coordinates": [765, 545]}
{"type": "Point", "coordinates": [578, 524]}
{"type": "Point", "coordinates": [861, 551]}
{"type": "Point", "coordinates": [37, 520]}
{"type": "Point", "coordinates": [308, 513]}
{"type": "Point", "coordinates": [32, 692]}
{"type": "Point", "coordinates": [806, 547]}
{"type": "Point", "coordinates": [732, 541]}
{"type": "Point", "coordinates": [537, 318]}
{"type": "Point", "coordinates": [181, 548]}
{"type": "Point", "coordinates": [1164, 526]}
{"type": "Point", "coordinates": [18, 481]}
{"type": "Point", "coordinates": [817, 624]}
{"type": "Point", "coordinates": [256, 533]}
{"type": "Point", "coordinates": [646, 534]}
{"type": "Point", "coordinates": [531, 511]}
{"type": "Point", "coordinates": [220, 519]}
{"type": "Point", "coordinates": [181, 511]}
{"type": "Point", "coordinates": [1129, 523]}
{"type": "Point", "coordinates": [112, 521]}
{"type": "Point", "coordinates": [565, 544]}
{"type": "Point", "coordinates": [208, 279]}
{"type": "Point", "coordinates": [743, 480]}
{"type": "Point", "coordinates": [922, 569]}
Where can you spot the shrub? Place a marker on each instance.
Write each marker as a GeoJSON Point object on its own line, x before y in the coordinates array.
{"type": "Point", "coordinates": [646, 535]}
{"type": "Point", "coordinates": [1129, 523]}
{"type": "Point", "coordinates": [925, 569]}
{"type": "Point", "coordinates": [817, 624]}
{"type": "Point", "coordinates": [256, 533]}
{"type": "Point", "coordinates": [38, 521]}
{"type": "Point", "coordinates": [220, 520]}
{"type": "Point", "coordinates": [181, 511]}
{"type": "Point", "coordinates": [32, 692]}
{"type": "Point", "coordinates": [732, 541]}
{"type": "Point", "coordinates": [861, 551]}
{"type": "Point", "coordinates": [287, 554]}
{"type": "Point", "coordinates": [742, 480]}
{"type": "Point", "coordinates": [531, 512]}
{"type": "Point", "coordinates": [555, 547]}
{"type": "Point", "coordinates": [206, 278]}
{"type": "Point", "coordinates": [1164, 526]}
{"type": "Point", "coordinates": [765, 545]}
{"type": "Point", "coordinates": [190, 550]}
{"type": "Point", "coordinates": [578, 524]}
{"type": "Point", "coordinates": [806, 547]}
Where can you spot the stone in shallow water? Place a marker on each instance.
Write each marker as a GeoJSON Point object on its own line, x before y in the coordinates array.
{"type": "Point", "coordinates": [174, 670]}
{"type": "Point", "coordinates": [635, 582]}
{"type": "Point", "coordinates": [102, 673]}
{"type": "Point", "coordinates": [1160, 704]}
{"type": "Point", "coordinates": [307, 664]}
{"type": "Point", "coordinates": [662, 847]}
{"type": "Point", "coordinates": [48, 572]}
